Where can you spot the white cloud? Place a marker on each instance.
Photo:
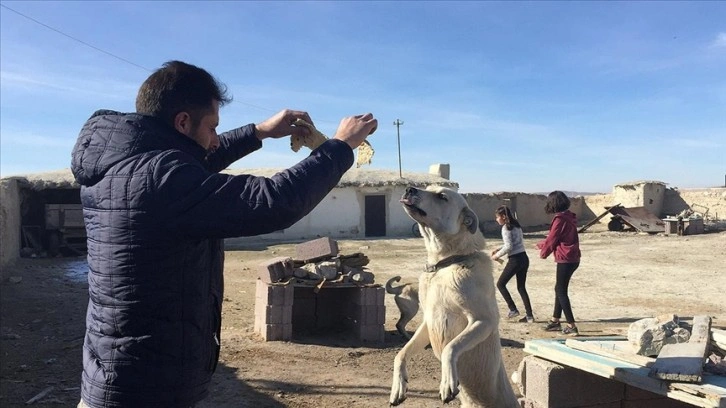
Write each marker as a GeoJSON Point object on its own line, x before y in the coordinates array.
{"type": "Point", "coordinates": [33, 81]}
{"type": "Point", "coordinates": [720, 41]}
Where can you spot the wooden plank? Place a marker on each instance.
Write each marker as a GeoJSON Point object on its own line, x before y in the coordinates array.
{"type": "Point", "coordinates": [684, 361]}
{"type": "Point", "coordinates": [609, 349]}
{"type": "Point", "coordinates": [599, 217]}
{"type": "Point", "coordinates": [679, 362]}
{"type": "Point", "coordinates": [710, 394]}
{"type": "Point", "coordinates": [718, 338]}
{"type": "Point", "coordinates": [700, 329]}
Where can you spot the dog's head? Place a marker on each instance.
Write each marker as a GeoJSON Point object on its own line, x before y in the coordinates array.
{"type": "Point", "coordinates": [441, 209]}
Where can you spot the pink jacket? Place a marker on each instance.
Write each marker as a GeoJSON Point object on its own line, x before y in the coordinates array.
{"type": "Point", "coordinates": [562, 239]}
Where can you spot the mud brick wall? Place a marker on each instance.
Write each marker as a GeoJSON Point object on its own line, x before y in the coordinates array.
{"type": "Point", "coordinates": [359, 311]}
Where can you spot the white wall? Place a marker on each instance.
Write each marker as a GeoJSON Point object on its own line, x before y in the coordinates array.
{"type": "Point", "coordinates": [341, 214]}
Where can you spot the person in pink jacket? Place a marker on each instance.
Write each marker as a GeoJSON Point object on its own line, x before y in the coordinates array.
{"type": "Point", "coordinates": [561, 240]}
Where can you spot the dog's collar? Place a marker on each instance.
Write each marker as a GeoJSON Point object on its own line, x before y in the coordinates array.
{"type": "Point", "coordinates": [446, 262]}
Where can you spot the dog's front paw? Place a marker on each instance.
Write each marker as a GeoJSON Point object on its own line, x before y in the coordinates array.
{"type": "Point", "coordinates": [449, 388]}
{"type": "Point", "coordinates": [399, 387]}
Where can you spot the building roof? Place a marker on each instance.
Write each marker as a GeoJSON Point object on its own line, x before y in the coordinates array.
{"type": "Point", "coordinates": [63, 179]}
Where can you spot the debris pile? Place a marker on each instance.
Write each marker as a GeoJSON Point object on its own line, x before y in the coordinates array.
{"type": "Point", "coordinates": [664, 361]}
{"type": "Point", "coordinates": [289, 300]}
{"type": "Point", "coordinates": [317, 262]}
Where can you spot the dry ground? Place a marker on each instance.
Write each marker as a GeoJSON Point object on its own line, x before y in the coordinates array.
{"type": "Point", "coordinates": [623, 277]}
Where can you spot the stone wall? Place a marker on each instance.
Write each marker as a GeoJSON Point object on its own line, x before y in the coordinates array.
{"type": "Point", "coordinates": [529, 208]}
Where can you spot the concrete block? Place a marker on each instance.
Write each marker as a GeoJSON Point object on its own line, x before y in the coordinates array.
{"type": "Point", "coordinates": [557, 386]}
{"type": "Point", "coordinates": [275, 332]}
{"type": "Point", "coordinates": [274, 314]}
{"type": "Point", "coordinates": [316, 249]}
{"type": "Point", "coordinates": [528, 403]}
{"type": "Point", "coordinates": [636, 397]}
{"type": "Point", "coordinates": [274, 295]}
{"type": "Point", "coordinates": [275, 269]}
{"type": "Point", "coordinates": [371, 332]}
{"type": "Point", "coordinates": [367, 296]}
{"type": "Point", "coordinates": [663, 402]}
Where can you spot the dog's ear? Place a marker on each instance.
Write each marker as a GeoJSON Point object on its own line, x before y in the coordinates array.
{"type": "Point", "coordinates": [470, 220]}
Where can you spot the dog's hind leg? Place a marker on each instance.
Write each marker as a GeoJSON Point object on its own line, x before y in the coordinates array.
{"type": "Point", "coordinates": [418, 342]}
{"type": "Point", "coordinates": [404, 306]}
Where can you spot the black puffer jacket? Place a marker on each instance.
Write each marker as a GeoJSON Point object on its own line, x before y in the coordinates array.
{"type": "Point", "coordinates": [156, 211]}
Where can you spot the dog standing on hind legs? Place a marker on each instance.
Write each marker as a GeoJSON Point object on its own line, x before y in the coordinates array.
{"type": "Point", "coordinates": [406, 298]}
{"type": "Point", "coordinates": [457, 296]}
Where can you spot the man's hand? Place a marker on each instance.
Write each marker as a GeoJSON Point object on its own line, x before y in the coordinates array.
{"type": "Point", "coordinates": [354, 129]}
{"type": "Point", "coordinates": [280, 125]}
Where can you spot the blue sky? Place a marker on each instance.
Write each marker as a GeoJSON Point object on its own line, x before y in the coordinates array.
{"type": "Point", "coordinates": [515, 96]}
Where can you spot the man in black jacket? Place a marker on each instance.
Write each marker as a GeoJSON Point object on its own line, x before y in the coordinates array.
{"type": "Point", "coordinates": [157, 210]}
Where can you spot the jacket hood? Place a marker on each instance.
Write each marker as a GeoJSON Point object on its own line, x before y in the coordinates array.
{"type": "Point", "coordinates": [110, 137]}
{"type": "Point", "coordinates": [567, 216]}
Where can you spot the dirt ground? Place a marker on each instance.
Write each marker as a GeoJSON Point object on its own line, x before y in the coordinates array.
{"type": "Point", "coordinates": [624, 276]}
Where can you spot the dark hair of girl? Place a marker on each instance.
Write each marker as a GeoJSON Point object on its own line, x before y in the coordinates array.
{"type": "Point", "coordinates": [509, 220]}
{"type": "Point", "coordinates": [557, 201]}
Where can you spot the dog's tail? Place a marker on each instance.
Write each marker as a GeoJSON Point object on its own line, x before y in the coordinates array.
{"type": "Point", "coordinates": [394, 290]}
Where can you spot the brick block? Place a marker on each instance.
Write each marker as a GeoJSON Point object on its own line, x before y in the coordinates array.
{"type": "Point", "coordinates": [275, 332]}
{"type": "Point", "coordinates": [274, 295]}
{"type": "Point", "coordinates": [528, 403]}
{"type": "Point", "coordinates": [371, 332]}
{"type": "Point", "coordinates": [636, 397]}
{"type": "Point", "coordinates": [370, 314]}
{"type": "Point", "coordinates": [275, 269]}
{"type": "Point", "coordinates": [663, 402]}
{"type": "Point", "coordinates": [316, 249]}
{"type": "Point", "coordinates": [273, 314]}
{"type": "Point", "coordinates": [556, 386]}
{"type": "Point", "coordinates": [366, 296]}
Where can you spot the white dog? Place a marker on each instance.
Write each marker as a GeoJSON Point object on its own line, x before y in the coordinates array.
{"type": "Point", "coordinates": [406, 298]}
{"type": "Point", "coordinates": [457, 297]}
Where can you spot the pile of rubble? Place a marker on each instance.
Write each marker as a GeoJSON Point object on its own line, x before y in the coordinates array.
{"type": "Point", "coordinates": [289, 298]}
{"type": "Point", "coordinates": [317, 262]}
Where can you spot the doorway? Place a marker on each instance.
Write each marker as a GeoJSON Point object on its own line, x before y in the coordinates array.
{"type": "Point", "coordinates": [375, 215]}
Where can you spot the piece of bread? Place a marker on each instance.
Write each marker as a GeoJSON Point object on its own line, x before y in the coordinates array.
{"type": "Point", "coordinates": [316, 138]}
{"type": "Point", "coordinates": [312, 141]}
{"type": "Point", "coordinates": [365, 154]}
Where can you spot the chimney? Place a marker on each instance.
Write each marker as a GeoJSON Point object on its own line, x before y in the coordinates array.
{"type": "Point", "coordinates": [441, 170]}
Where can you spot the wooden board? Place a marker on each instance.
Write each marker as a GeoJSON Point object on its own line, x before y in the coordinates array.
{"type": "Point", "coordinates": [679, 362]}
{"type": "Point", "coordinates": [684, 361]}
{"type": "Point", "coordinates": [711, 393]}
{"type": "Point", "coordinates": [610, 349]}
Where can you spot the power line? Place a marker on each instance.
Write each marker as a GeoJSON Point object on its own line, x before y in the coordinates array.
{"type": "Point", "coordinates": [75, 39]}
{"type": "Point", "coordinates": [114, 55]}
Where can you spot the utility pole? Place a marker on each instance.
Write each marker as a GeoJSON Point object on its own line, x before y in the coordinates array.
{"type": "Point", "coordinates": [398, 124]}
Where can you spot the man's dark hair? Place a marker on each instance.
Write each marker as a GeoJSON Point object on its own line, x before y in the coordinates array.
{"type": "Point", "coordinates": [509, 220]}
{"type": "Point", "coordinates": [557, 201]}
{"type": "Point", "coordinates": [180, 87]}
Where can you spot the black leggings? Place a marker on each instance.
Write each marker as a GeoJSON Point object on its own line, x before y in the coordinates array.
{"type": "Point", "coordinates": [562, 300]}
{"type": "Point", "coordinates": [518, 264]}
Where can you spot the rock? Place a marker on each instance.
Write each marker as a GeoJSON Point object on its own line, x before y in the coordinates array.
{"type": "Point", "coordinates": [649, 335]}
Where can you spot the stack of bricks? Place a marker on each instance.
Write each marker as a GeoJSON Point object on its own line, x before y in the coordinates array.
{"type": "Point", "coordinates": [282, 307]}
{"type": "Point", "coordinates": [273, 311]}
{"type": "Point", "coordinates": [369, 313]}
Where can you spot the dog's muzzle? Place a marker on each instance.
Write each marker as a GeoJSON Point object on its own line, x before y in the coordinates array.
{"type": "Point", "coordinates": [410, 200]}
